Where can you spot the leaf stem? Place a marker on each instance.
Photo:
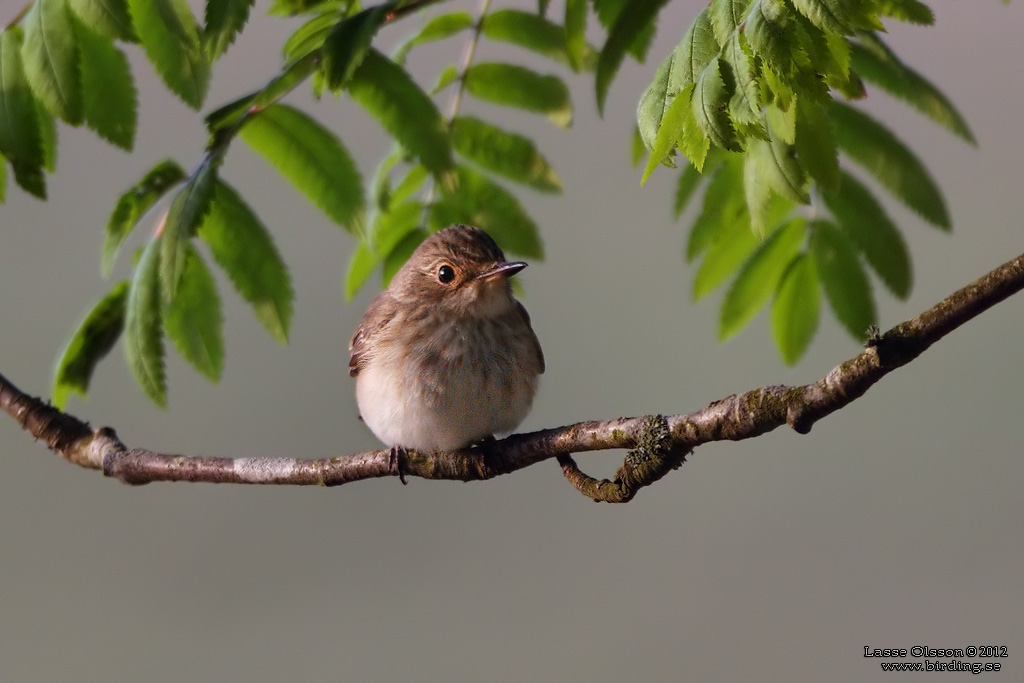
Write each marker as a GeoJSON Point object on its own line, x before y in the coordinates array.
{"type": "Point", "coordinates": [19, 16]}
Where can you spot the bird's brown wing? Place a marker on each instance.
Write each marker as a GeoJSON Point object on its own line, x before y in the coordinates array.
{"type": "Point", "coordinates": [376, 319]}
{"type": "Point", "coordinates": [533, 335]}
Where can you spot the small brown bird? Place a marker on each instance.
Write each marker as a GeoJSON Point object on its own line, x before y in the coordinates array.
{"type": "Point", "coordinates": [446, 356]}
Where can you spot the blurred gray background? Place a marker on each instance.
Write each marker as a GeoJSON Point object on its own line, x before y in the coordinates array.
{"type": "Point", "coordinates": [895, 523]}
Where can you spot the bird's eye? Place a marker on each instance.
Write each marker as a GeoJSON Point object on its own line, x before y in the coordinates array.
{"type": "Point", "coordinates": [445, 274]}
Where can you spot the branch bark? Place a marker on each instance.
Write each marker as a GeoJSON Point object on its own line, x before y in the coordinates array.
{"type": "Point", "coordinates": [658, 443]}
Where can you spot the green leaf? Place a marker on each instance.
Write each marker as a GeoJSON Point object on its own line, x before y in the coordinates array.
{"type": "Point", "coordinates": [448, 75]}
{"type": "Point", "coordinates": [242, 246]}
{"type": "Point", "coordinates": [865, 222]}
{"type": "Point", "coordinates": [170, 38]}
{"type": "Point", "coordinates": [108, 93]}
{"type": "Point", "coordinates": [679, 70]}
{"type": "Point", "coordinates": [224, 21]}
{"type": "Point", "coordinates": [223, 119]}
{"type": "Point", "coordinates": [3, 178]}
{"type": "Point", "coordinates": [870, 144]}
{"type": "Point", "coordinates": [689, 180]}
{"type": "Point", "coordinates": [184, 216]}
{"type": "Point", "coordinates": [90, 343]}
{"type": "Point", "coordinates": [610, 12]}
{"type": "Point", "coordinates": [759, 277]}
{"type": "Point", "coordinates": [360, 267]}
{"type": "Point", "coordinates": [312, 159]}
{"type": "Point", "coordinates": [109, 18]}
{"type": "Point", "coordinates": [622, 35]}
{"type": "Point", "coordinates": [51, 59]}
{"type": "Point", "coordinates": [346, 45]}
{"type": "Point", "coordinates": [309, 37]}
{"type": "Point", "coordinates": [20, 139]}
{"type": "Point", "coordinates": [499, 151]}
{"type": "Point", "coordinates": [481, 202]}
{"type": "Point", "coordinates": [910, 11]}
{"type": "Point", "coordinates": [439, 28]}
{"type": "Point", "coordinates": [391, 227]}
{"type": "Point", "coordinates": [733, 245]}
{"type": "Point", "coordinates": [723, 204]}
{"type": "Point", "coordinates": [829, 15]}
{"type": "Point", "coordinates": [192, 320]}
{"type": "Point", "coordinates": [400, 254]}
{"type": "Point", "coordinates": [387, 91]}
{"type": "Point", "coordinates": [815, 143]}
{"type": "Point", "coordinates": [534, 32]}
{"type": "Point", "coordinates": [796, 309]}
{"type": "Point", "coordinates": [668, 134]}
{"type": "Point", "coordinates": [874, 61]}
{"type": "Point", "coordinates": [710, 104]}
{"type": "Point", "coordinates": [843, 278]}
{"type": "Point", "coordinates": [135, 202]}
{"type": "Point", "coordinates": [143, 331]}
{"type": "Point", "coordinates": [576, 46]}
{"type": "Point", "coordinates": [517, 86]}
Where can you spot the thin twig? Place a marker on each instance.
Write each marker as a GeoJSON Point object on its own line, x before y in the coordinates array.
{"type": "Point", "coordinates": [659, 443]}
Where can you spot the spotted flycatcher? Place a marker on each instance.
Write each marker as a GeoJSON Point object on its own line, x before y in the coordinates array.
{"type": "Point", "coordinates": [446, 356]}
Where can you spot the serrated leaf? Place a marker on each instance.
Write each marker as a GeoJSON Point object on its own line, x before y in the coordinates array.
{"type": "Point", "coordinates": [183, 218]}
{"type": "Point", "coordinates": [143, 330]}
{"type": "Point", "coordinates": [843, 278]}
{"type": "Point", "coordinates": [537, 34]}
{"type": "Point", "coordinates": [778, 166]}
{"type": "Point", "coordinates": [387, 91]}
{"type": "Point", "coordinates": [874, 147]}
{"type": "Point", "coordinates": [20, 138]}
{"type": "Point", "coordinates": [769, 32]}
{"type": "Point", "coordinates": [224, 21]}
{"type": "Point", "coordinates": [874, 61]}
{"type": "Point", "coordinates": [815, 143]}
{"type": "Point", "coordinates": [679, 70]}
{"type": "Point", "coordinates": [727, 17]}
{"type": "Point", "coordinates": [516, 86]}
{"type": "Point", "coordinates": [408, 185]}
{"type": "Point", "coordinates": [50, 55]}
{"type": "Point", "coordinates": [109, 18]}
{"type": "Point", "coordinates": [796, 309]}
{"type": "Point", "coordinates": [192, 320]}
{"type": "Point", "coordinates": [348, 42]}
{"type": "Point", "coordinates": [47, 137]}
{"type": "Point", "coordinates": [481, 202]}
{"type": "Point", "coordinates": [711, 107]}
{"type": "Point", "coordinates": [668, 135]}
{"type": "Point", "coordinates": [360, 267]}
{"type": "Point", "coordinates": [90, 343]}
{"type": "Point", "coordinates": [865, 222]}
{"type": "Point", "coordinates": [745, 103]}
{"type": "Point", "coordinates": [829, 15]}
{"type": "Point", "coordinates": [629, 25]}
{"type": "Point", "coordinates": [513, 156]}
{"type": "Point", "coordinates": [170, 38]}
{"type": "Point", "coordinates": [134, 203]}
{"type": "Point", "coordinates": [759, 277]}
{"type": "Point", "coordinates": [576, 46]}
{"type": "Point", "coordinates": [242, 246]}
{"type": "Point", "coordinates": [312, 159]}
{"type": "Point", "coordinates": [688, 182]}
{"type": "Point", "coordinates": [108, 92]}
{"type": "Point", "coordinates": [910, 11]}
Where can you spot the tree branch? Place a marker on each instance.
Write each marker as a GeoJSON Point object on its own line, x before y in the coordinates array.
{"type": "Point", "coordinates": [659, 444]}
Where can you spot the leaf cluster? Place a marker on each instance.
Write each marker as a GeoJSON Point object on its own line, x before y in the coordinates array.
{"type": "Point", "coordinates": [753, 98]}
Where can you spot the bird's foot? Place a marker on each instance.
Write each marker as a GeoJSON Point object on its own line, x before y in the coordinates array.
{"type": "Point", "coordinates": [395, 462]}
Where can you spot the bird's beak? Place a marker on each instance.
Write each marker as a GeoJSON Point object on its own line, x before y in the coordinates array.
{"type": "Point", "coordinates": [502, 270]}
